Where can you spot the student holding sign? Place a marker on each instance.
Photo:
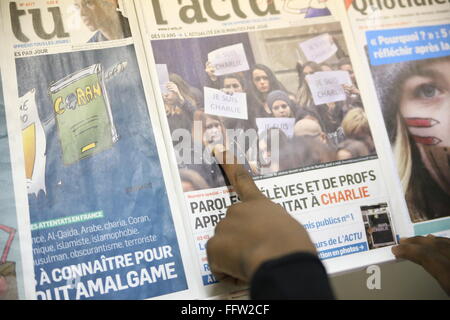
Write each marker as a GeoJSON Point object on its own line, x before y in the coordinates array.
{"type": "Point", "coordinates": [303, 96]}
{"type": "Point", "coordinates": [235, 83]}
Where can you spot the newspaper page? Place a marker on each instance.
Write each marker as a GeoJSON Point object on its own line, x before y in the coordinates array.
{"type": "Point", "coordinates": [274, 83]}
{"type": "Point", "coordinates": [14, 262]}
{"type": "Point", "coordinates": [104, 222]}
{"type": "Point", "coordinates": [406, 49]}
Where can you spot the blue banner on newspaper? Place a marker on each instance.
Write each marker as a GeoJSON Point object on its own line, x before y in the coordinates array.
{"type": "Point", "coordinates": [398, 45]}
{"type": "Point", "coordinates": [343, 251]}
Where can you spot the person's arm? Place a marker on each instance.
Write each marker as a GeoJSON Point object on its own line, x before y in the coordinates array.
{"type": "Point", "coordinates": [212, 81]}
{"type": "Point", "coordinates": [299, 275]}
{"type": "Point", "coordinates": [258, 242]}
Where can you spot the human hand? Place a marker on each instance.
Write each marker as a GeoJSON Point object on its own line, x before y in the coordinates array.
{"type": "Point", "coordinates": [432, 253]}
{"type": "Point", "coordinates": [253, 231]}
{"type": "Point", "coordinates": [210, 71]}
{"type": "Point", "coordinates": [174, 88]}
{"type": "Point", "coordinates": [350, 89]}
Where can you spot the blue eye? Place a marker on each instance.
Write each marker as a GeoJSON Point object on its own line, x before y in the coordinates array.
{"type": "Point", "coordinates": [427, 91]}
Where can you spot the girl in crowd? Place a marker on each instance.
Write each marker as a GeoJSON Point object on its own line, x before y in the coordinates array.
{"type": "Point", "coordinates": [180, 103]}
{"type": "Point", "coordinates": [415, 98]}
{"type": "Point", "coordinates": [352, 91]}
{"type": "Point", "coordinates": [273, 145]}
{"type": "Point", "coordinates": [304, 98]}
{"type": "Point", "coordinates": [235, 83]}
{"type": "Point", "coordinates": [280, 105]}
{"type": "Point", "coordinates": [263, 81]}
{"type": "Point", "coordinates": [207, 132]}
{"type": "Point", "coordinates": [329, 115]}
{"type": "Point", "coordinates": [356, 126]}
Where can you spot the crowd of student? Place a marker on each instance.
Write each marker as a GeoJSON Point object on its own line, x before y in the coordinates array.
{"type": "Point", "coordinates": [322, 133]}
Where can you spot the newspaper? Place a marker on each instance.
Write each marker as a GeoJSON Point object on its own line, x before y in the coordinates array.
{"type": "Point", "coordinates": [13, 267]}
{"type": "Point", "coordinates": [349, 201]}
{"type": "Point", "coordinates": [103, 222]}
{"type": "Point", "coordinates": [407, 50]}
{"type": "Point", "coordinates": [113, 109]}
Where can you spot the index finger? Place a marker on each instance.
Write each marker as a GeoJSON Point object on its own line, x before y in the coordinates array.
{"type": "Point", "coordinates": [237, 175]}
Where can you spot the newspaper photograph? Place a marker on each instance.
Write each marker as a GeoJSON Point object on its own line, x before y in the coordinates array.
{"type": "Point", "coordinates": [407, 50]}
{"type": "Point", "coordinates": [101, 215]}
{"type": "Point", "coordinates": [303, 135]}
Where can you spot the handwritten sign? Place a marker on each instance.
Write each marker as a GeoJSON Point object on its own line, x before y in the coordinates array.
{"type": "Point", "coordinates": [319, 49]}
{"type": "Point", "coordinates": [221, 104]}
{"type": "Point", "coordinates": [327, 86]}
{"type": "Point", "coordinates": [163, 77]}
{"type": "Point", "coordinates": [34, 143]}
{"type": "Point", "coordinates": [229, 59]}
{"type": "Point", "coordinates": [284, 124]}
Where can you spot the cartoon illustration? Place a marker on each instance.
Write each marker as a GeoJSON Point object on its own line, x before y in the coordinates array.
{"type": "Point", "coordinates": [8, 285]}
{"type": "Point", "coordinates": [33, 133]}
{"type": "Point", "coordinates": [83, 114]}
{"type": "Point", "coordinates": [315, 8]}
{"type": "Point", "coordinates": [34, 143]}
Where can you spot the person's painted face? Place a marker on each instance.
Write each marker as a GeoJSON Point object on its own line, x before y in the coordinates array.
{"type": "Point", "coordinates": [213, 131]}
{"type": "Point", "coordinates": [232, 85]}
{"type": "Point", "coordinates": [425, 104]}
{"type": "Point", "coordinates": [93, 13]}
{"type": "Point", "coordinates": [261, 81]}
{"type": "Point", "coordinates": [281, 109]}
{"type": "Point", "coordinates": [425, 107]}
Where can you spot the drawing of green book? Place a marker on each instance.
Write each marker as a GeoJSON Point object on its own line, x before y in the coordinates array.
{"type": "Point", "coordinates": [83, 114]}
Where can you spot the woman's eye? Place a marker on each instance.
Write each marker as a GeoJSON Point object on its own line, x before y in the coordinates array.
{"type": "Point", "coordinates": [427, 91]}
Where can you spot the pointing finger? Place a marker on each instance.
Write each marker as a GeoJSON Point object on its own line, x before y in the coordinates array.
{"type": "Point", "coordinates": [237, 175]}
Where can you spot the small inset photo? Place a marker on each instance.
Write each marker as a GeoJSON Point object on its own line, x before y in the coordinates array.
{"type": "Point", "coordinates": [378, 225]}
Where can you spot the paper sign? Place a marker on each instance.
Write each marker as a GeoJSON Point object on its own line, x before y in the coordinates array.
{"type": "Point", "coordinates": [327, 86]}
{"type": "Point", "coordinates": [319, 49]}
{"type": "Point", "coordinates": [284, 124]}
{"type": "Point", "coordinates": [221, 104]}
{"type": "Point", "coordinates": [34, 143]}
{"type": "Point", "coordinates": [163, 77]}
{"type": "Point", "coordinates": [229, 59]}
